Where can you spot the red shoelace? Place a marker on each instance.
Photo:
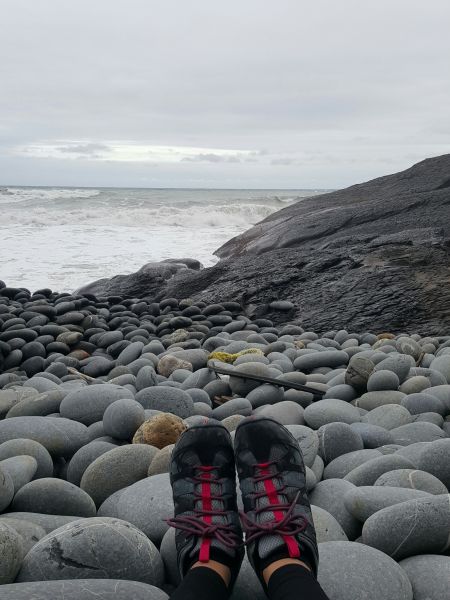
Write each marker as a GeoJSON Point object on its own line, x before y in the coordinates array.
{"type": "Point", "coordinates": [285, 524]}
{"type": "Point", "coordinates": [200, 524]}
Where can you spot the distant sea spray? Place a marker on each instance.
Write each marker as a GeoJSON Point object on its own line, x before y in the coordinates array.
{"type": "Point", "coordinates": [63, 237]}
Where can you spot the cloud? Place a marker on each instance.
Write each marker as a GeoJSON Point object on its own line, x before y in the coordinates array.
{"type": "Point", "coordinates": [213, 158]}
{"type": "Point", "coordinates": [100, 101]}
{"type": "Point", "coordinates": [128, 152]}
{"type": "Point", "coordinates": [282, 161]}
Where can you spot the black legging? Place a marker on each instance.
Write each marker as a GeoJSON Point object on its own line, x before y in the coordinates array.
{"type": "Point", "coordinates": [291, 582]}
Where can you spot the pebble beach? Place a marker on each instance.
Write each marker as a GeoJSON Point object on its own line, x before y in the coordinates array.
{"type": "Point", "coordinates": [95, 391]}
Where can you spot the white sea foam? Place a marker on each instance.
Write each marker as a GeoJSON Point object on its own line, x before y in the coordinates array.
{"type": "Point", "coordinates": [64, 237]}
{"type": "Point", "coordinates": [13, 195]}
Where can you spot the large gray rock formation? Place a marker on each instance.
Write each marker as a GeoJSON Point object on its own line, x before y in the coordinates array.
{"type": "Point", "coordinates": [374, 256]}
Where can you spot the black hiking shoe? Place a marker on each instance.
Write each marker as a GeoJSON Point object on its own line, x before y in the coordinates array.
{"type": "Point", "coordinates": [203, 479]}
{"type": "Point", "coordinates": [277, 520]}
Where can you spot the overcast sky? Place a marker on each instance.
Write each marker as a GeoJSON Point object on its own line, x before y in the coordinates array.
{"type": "Point", "coordinates": [221, 93]}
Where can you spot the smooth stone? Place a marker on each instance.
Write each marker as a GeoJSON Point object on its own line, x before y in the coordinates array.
{"type": "Point", "coordinates": [371, 400]}
{"type": "Point", "coordinates": [308, 441]}
{"type": "Point", "coordinates": [284, 412]}
{"type": "Point", "coordinates": [53, 497]}
{"type": "Point", "coordinates": [242, 387]}
{"type": "Point", "coordinates": [413, 479]}
{"type": "Point", "coordinates": [40, 406]}
{"type": "Point", "coordinates": [83, 458]}
{"type": "Point", "coordinates": [368, 473]}
{"type": "Point", "coordinates": [199, 396]}
{"type": "Point", "coordinates": [99, 547]}
{"type": "Point", "coordinates": [169, 400]}
{"type": "Point", "coordinates": [364, 501]}
{"type": "Point", "coordinates": [199, 379]}
{"type": "Point", "coordinates": [26, 447]}
{"type": "Point", "coordinates": [200, 408]}
{"type": "Point", "coordinates": [161, 461]}
{"type": "Point", "coordinates": [430, 417]}
{"type": "Point", "coordinates": [61, 437]}
{"type": "Point", "coordinates": [348, 570]}
{"type": "Point", "coordinates": [327, 527]}
{"type": "Point", "coordinates": [336, 439]}
{"type": "Point", "coordinates": [132, 352]}
{"type": "Point", "coordinates": [88, 404]}
{"type": "Point", "coordinates": [168, 552]}
{"type": "Point", "coordinates": [443, 393]}
{"type": "Point", "coordinates": [169, 363]}
{"type": "Point", "coordinates": [122, 418]}
{"type": "Point", "coordinates": [310, 479]}
{"type": "Point", "coordinates": [358, 371]}
{"type": "Point", "coordinates": [413, 527]}
{"type": "Point", "coordinates": [413, 451]}
{"type": "Point", "coordinates": [21, 469]}
{"type": "Point", "coordinates": [429, 575]}
{"type": "Point", "coordinates": [330, 411]}
{"type": "Point", "coordinates": [342, 391]}
{"type": "Point", "coordinates": [417, 432]}
{"type": "Point", "coordinates": [146, 377]}
{"type": "Point", "coordinates": [82, 589]}
{"type": "Point", "coordinates": [265, 394]}
{"type": "Point", "coordinates": [197, 358]}
{"type": "Point", "coordinates": [41, 384]}
{"type": "Point", "coordinates": [232, 422]}
{"type": "Point", "coordinates": [47, 522]}
{"type": "Point", "coordinates": [372, 435]}
{"type": "Point", "coordinates": [344, 464]}
{"type": "Point", "coordinates": [415, 384]}
{"type": "Point", "coordinates": [235, 406]}
{"type": "Point", "coordinates": [435, 459]}
{"type": "Point", "coordinates": [28, 531]}
{"type": "Point", "coordinates": [317, 467]}
{"type": "Point", "coordinates": [329, 495]}
{"type": "Point", "coordinates": [382, 380]}
{"type": "Point", "coordinates": [11, 554]}
{"type": "Point", "coordinates": [400, 364]}
{"type": "Point", "coordinates": [146, 504]}
{"type": "Point", "coordinates": [161, 430]}
{"type": "Point", "coordinates": [326, 358]}
{"type": "Point", "coordinates": [6, 488]}
{"type": "Point", "coordinates": [388, 416]}
{"type": "Point", "coordinates": [442, 365]}
{"type": "Point", "coordinates": [423, 402]}
{"type": "Point", "coordinates": [116, 469]}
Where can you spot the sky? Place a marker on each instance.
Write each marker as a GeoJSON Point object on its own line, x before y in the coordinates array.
{"type": "Point", "coordinates": [207, 93]}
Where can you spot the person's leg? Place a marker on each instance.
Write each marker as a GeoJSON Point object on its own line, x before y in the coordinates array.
{"type": "Point", "coordinates": [204, 581]}
{"type": "Point", "coordinates": [280, 535]}
{"type": "Point", "coordinates": [208, 533]}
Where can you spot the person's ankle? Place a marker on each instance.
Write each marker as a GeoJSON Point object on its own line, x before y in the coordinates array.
{"type": "Point", "coordinates": [277, 564]}
{"type": "Point", "coordinates": [217, 567]}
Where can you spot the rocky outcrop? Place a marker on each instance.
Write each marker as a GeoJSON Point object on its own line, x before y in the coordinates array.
{"type": "Point", "coordinates": [374, 256]}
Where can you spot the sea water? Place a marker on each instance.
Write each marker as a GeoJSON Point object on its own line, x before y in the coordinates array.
{"type": "Point", "coordinates": [63, 238]}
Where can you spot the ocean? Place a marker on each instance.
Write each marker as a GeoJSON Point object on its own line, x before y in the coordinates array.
{"type": "Point", "coordinates": [62, 238]}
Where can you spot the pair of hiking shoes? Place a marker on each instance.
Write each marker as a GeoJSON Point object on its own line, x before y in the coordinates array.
{"type": "Point", "coordinates": [276, 516]}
